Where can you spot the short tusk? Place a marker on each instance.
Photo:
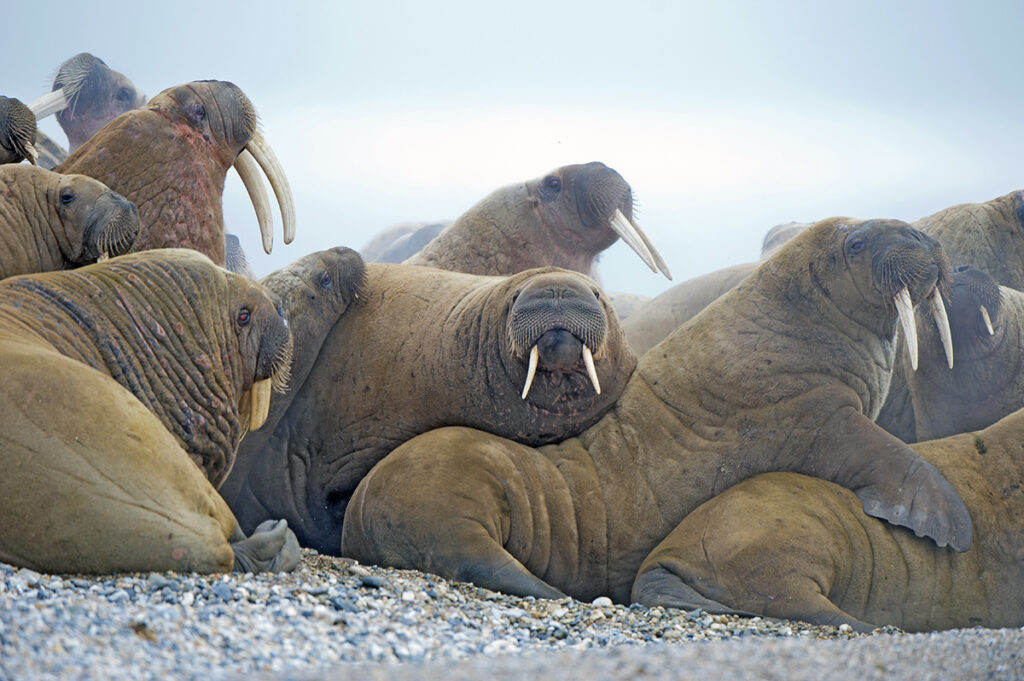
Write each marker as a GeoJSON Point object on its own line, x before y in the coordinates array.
{"type": "Point", "coordinates": [30, 153]}
{"type": "Point", "coordinates": [249, 171]}
{"type": "Point", "coordinates": [659, 261]}
{"type": "Point", "coordinates": [627, 232]}
{"type": "Point", "coordinates": [531, 370]}
{"type": "Point", "coordinates": [905, 310]}
{"type": "Point", "coordinates": [48, 104]}
{"type": "Point", "coordinates": [588, 359]}
{"type": "Point", "coordinates": [942, 321]}
{"type": "Point", "coordinates": [259, 403]}
{"type": "Point", "coordinates": [267, 159]}
{"type": "Point", "coordinates": [988, 321]}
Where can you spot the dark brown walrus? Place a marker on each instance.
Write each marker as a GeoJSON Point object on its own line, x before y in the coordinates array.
{"type": "Point", "coordinates": [565, 219]}
{"type": "Point", "coordinates": [171, 158]}
{"type": "Point", "coordinates": [781, 373]}
{"type": "Point", "coordinates": [425, 348]}
{"type": "Point", "coordinates": [17, 132]}
{"type": "Point", "coordinates": [50, 221]}
{"type": "Point", "coordinates": [796, 547]}
{"type": "Point", "coordinates": [127, 386]}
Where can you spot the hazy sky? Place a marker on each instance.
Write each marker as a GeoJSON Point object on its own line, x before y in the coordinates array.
{"type": "Point", "coordinates": [725, 117]}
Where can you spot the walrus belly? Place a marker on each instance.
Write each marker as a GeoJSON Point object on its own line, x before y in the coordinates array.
{"type": "Point", "coordinates": [92, 481]}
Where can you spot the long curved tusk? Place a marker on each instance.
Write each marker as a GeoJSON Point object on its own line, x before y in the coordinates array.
{"type": "Point", "coordinates": [531, 369]}
{"type": "Point", "coordinates": [267, 159]}
{"type": "Point", "coordinates": [988, 321]}
{"type": "Point", "coordinates": [48, 104]}
{"type": "Point", "coordinates": [627, 232]}
{"type": "Point", "coordinates": [588, 359]}
{"type": "Point", "coordinates": [658, 260]}
{"type": "Point", "coordinates": [249, 171]}
{"type": "Point", "coordinates": [259, 404]}
{"type": "Point", "coordinates": [942, 321]}
{"type": "Point", "coordinates": [905, 310]}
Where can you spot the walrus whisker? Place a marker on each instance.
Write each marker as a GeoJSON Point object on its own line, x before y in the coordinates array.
{"type": "Point", "coordinates": [49, 104]}
{"type": "Point", "coordinates": [621, 226]}
{"type": "Point", "coordinates": [588, 359]}
{"type": "Point", "coordinates": [942, 321]}
{"type": "Point", "coordinates": [531, 370]}
{"type": "Point", "coordinates": [248, 170]}
{"type": "Point", "coordinates": [265, 156]}
{"type": "Point", "coordinates": [905, 310]}
{"type": "Point", "coordinates": [987, 320]}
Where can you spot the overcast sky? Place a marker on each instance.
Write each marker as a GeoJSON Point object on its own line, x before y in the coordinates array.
{"type": "Point", "coordinates": [725, 117]}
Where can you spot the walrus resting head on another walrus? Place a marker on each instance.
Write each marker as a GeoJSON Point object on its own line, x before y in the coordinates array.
{"type": "Point", "coordinates": [127, 387]}
{"type": "Point", "coordinates": [781, 373]}
{"type": "Point", "coordinates": [536, 357]}
{"type": "Point", "coordinates": [563, 219]}
{"type": "Point", "coordinates": [171, 158]}
{"type": "Point", "coordinates": [50, 221]}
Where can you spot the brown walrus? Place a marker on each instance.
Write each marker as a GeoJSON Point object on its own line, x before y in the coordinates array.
{"type": "Point", "coordinates": [50, 221]}
{"type": "Point", "coordinates": [400, 242]}
{"type": "Point", "coordinates": [17, 132]}
{"type": "Point", "coordinates": [565, 219]}
{"type": "Point", "coordinates": [795, 547]}
{"type": "Point", "coordinates": [127, 386]}
{"type": "Point", "coordinates": [781, 373]}
{"type": "Point", "coordinates": [523, 356]}
{"type": "Point", "coordinates": [171, 158]}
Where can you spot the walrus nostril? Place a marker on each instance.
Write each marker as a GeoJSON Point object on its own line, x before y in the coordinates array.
{"type": "Point", "coordinates": [559, 350]}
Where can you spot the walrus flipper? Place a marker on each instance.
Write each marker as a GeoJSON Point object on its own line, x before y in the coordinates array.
{"type": "Point", "coordinates": [272, 547]}
{"type": "Point", "coordinates": [661, 586]}
{"type": "Point", "coordinates": [892, 481]}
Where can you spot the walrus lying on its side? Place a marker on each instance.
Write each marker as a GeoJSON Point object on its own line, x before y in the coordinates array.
{"type": "Point", "coordinates": [784, 372]}
{"type": "Point", "coordinates": [537, 357]}
{"type": "Point", "coordinates": [127, 387]}
{"type": "Point", "coordinates": [50, 221]}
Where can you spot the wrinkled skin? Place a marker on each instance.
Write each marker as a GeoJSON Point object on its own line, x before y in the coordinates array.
{"type": "Point", "coordinates": [782, 373]}
{"type": "Point", "coordinates": [50, 221]}
{"type": "Point", "coordinates": [170, 159]}
{"type": "Point", "coordinates": [17, 131]}
{"type": "Point", "coordinates": [426, 348]}
{"type": "Point", "coordinates": [121, 393]}
{"type": "Point", "coordinates": [795, 547]}
{"type": "Point", "coordinates": [560, 219]}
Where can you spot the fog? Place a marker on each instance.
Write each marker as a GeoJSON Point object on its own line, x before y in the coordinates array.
{"type": "Point", "coordinates": [726, 118]}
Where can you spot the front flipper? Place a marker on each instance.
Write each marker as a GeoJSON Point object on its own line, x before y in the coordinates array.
{"type": "Point", "coordinates": [272, 547]}
{"type": "Point", "coordinates": [660, 586]}
{"type": "Point", "coordinates": [892, 481]}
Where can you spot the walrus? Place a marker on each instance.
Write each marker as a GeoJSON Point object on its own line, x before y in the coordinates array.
{"type": "Point", "coordinates": [50, 221]}
{"type": "Point", "coordinates": [17, 132]}
{"type": "Point", "coordinates": [791, 546]}
{"type": "Point", "coordinates": [127, 387]}
{"type": "Point", "coordinates": [402, 241]}
{"type": "Point", "coordinates": [564, 218]}
{"type": "Point", "coordinates": [784, 372]}
{"type": "Point", "coordinates": [171, 158]}
{"type": "Point", "coordinates": [537, 356]}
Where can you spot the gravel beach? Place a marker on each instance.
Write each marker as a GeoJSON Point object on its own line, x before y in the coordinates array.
{"type": "Point", "coordinates": [334, 619]}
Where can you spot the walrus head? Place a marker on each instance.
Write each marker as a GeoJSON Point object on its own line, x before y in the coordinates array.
{"type": "Point", "coordinates": [974, 310]}
{"type": "Point", "coordinates": [97, 222]}
{"type": "Point", "coordinates": [17, 132]}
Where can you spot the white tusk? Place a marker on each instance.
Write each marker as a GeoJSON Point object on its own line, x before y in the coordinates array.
{"type": "Point", "coordinates": [249, 171]}
{"type": "Point", "coordinates": [103, 257]}
{"type": "Point", "coordinates": [48, 104]}
{"type": "Point", "coordinates": [621, 226]}
{"type": "Point", "coordinates": [531, 370]}
{"type": "Point", "coordinates": [588, 359]}
{"type": "Point", "coordinates": [942, 321]}
{"type": "Point", "coordinates": [988, 321]}
{"type": "Point", "coordinates": [267, 159]}
{"type": "Point", "coordinates": [905, 310]}
{"type": "Point", "coordinates": [259, 403]}
{"type": "Point", "coordinates": [658, 260]}
{"type": "Point", "coordinates": [33, 155]}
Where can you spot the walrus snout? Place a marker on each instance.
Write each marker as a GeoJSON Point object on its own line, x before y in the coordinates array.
{"type": "Point", "coordinates": [17, 131]}
{"type": "Point", "coordinates": [975, 303]}
{"type": "Point", "coordinates": [113, 231]}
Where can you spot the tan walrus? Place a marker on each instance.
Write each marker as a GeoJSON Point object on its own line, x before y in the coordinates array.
{"type": "Point", "coordinates": [795, 547]}
{"type": "Point", "coordinates": [782, 373]}
{"type": "Point", "coordinates": [564, 219]}
{"type": "Point", "coordinates": [537, 356]}
{"type": "Point", "coordinates": [127, 387]}
{"type": "Point", "coordinates": [50, 221]}
{"type": "Point", "coordinates": [171, 159]}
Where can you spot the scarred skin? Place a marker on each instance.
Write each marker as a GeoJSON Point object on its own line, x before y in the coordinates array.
{"type": "Point", "coordinates": [782, 373]}
{"type": "Point", "coordinates": [170, 158]}
{"type": "Point", "coordinates": [50, 221]}
{"type": "Point", "coordinates": [559, 219]}
{"type": "Point", "coordinates": [795, 547]}
{"type": "Point", "coordinates": [423, 349]}
{"type": "Point", "coordinates": [121, 392]}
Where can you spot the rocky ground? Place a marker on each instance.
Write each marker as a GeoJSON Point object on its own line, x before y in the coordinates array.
{"type": "Point", "coordinates": [332, 619]}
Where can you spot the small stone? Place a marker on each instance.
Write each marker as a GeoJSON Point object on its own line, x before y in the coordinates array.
{"type": "Point", "coordinates": [408, 596]}
{"type": "Point", "coordinates": [222, 590]}
{"type": "Point", "coordinates": [845, 628]}
{"type": "Point", "coordinates": [602, 602]}
{"type": "Point", "coordinates": [372, 581]}
{"type": "Point", "coordinates": [358, 570]}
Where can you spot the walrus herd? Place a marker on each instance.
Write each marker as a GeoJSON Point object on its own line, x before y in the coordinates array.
{"type": "Point", "coordinates": [834, 433]}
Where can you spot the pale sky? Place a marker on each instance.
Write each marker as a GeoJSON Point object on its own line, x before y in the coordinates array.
{"type": "Point", "coordinates": [725, 117]}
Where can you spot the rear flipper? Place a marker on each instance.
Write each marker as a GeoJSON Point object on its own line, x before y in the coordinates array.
{"type": "Point", "coordinates": [272, 547]}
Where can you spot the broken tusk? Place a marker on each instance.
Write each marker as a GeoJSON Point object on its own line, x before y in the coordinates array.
{"type": "Point", "coordinates": [30, 153]}
{"type": "Point", "coordinates": [905, 310]}
{"type": "Point", "coordinates": [531, 369]}
{"type": "Point", "coordinates": [988, 321]}
{"type": "Point", "coordinates": [942, 321]}
{"type": "Point", "coordinates": [588, 359]}
{"type": "Point", "coordinates": [249, 171]}
{"type": "Point", "coordinates": [267, 159]}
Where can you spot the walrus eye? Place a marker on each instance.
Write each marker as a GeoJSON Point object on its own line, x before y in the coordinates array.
{"type": "Point", "coordinates": [198, 112]}
{"type": "Point", "coordinates": [67, 196]}
{"type": "Point", "coordinates": [553, 183]}
{"type": "Point", "coordinates": [856, 246]}
{"type": "Point", "coordinates": [326, 280]}
{"type": "Point", "coordinates": [125, 95]}
{"type": "Point", "coordinates": [243, 316]}
{"type": "Point", "coordinates": [597, 294]}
